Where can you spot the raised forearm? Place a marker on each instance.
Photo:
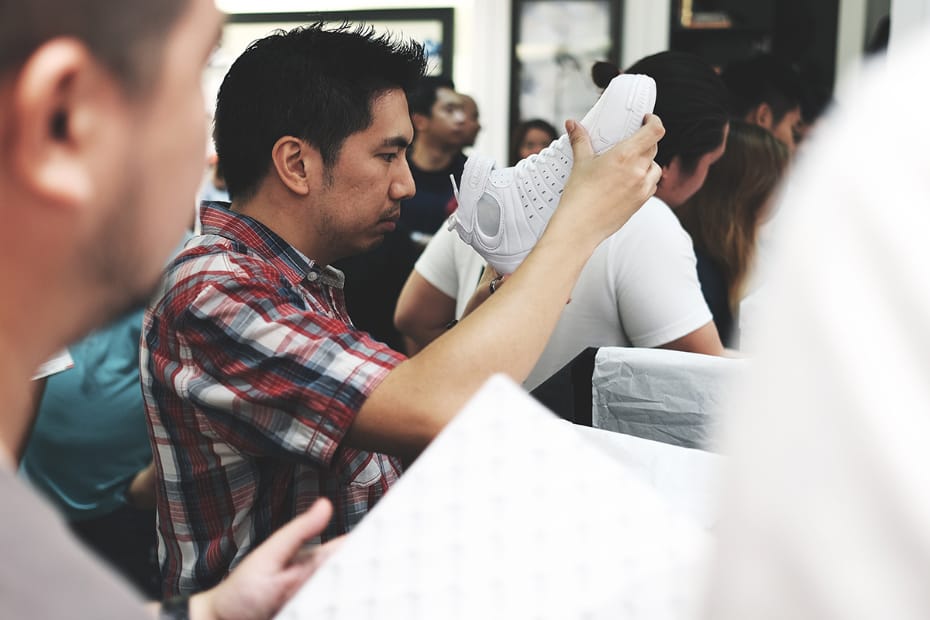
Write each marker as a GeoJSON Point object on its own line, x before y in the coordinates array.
{"type": "Point", "coordinates": [508, 332]}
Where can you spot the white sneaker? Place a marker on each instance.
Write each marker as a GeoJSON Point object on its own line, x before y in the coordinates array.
{"type": "Point", "coordinates": [502, 213]}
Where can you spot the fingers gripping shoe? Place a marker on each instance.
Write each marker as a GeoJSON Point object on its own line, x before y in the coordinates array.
{"type": "Point", "coordinates": [502, 213]}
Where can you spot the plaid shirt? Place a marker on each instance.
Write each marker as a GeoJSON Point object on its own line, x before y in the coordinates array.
{"type": "Point", "coordinates": [252, 374]}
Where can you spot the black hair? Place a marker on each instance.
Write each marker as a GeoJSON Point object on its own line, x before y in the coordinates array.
{"type": "Point", "coordinates": [125, 36]}
{"type": "Point", "coordinates": [816, 93]}
{"type": "Point", "coordinates": [691, 100]}
{"type": "Point", "coordinates": [763, 78]}
{"type": "Point", "coordinates": [603, 72]}
{"type": "Point", "coordinates": [313, 83]}
{"type": "Point", "coordinates": [423, 96]}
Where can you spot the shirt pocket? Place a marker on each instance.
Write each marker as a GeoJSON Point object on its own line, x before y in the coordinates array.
{"type": "Point", "coordinates": [367, 469]}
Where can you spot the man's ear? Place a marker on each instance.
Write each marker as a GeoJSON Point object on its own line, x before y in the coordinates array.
{"type": "Point", "coordinates": [670, 179]}
{"type": "Point", "coordinates": [298, 165]}
{"type": "Point", "coordinates": [762, 116]}
{"type": "Point", "coordinates": [419, 121]}
{"type": "Point", "coordinates": [61, 108]}
{"type": "Point", "coordinates": [670, 171]}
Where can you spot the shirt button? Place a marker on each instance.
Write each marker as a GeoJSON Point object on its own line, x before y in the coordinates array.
{"type": "Point", "coordinates": [313, 276]}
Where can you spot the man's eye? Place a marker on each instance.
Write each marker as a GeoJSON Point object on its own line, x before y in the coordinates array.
{"type": "Point", "coordinates": [388, 157]}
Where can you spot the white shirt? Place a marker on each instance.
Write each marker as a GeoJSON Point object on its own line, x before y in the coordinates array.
{"type": "Point", "coordinates": [452, 266]}
{"type": "Point", "coordinates": [640, 288]}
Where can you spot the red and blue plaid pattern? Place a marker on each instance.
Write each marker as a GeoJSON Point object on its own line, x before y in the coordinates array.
{"type": "Point", "coordinates": [252, 374]}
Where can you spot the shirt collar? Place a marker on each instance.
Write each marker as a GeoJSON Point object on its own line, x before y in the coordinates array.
{"type": "Point", "coordinates": [217, 219]}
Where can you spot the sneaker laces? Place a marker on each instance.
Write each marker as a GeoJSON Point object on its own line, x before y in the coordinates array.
{"type": "Point", "coordinates": [545, 172]}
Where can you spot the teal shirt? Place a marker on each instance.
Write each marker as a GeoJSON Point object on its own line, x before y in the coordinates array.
{"type": "Point", "coordinates": [90, 438]}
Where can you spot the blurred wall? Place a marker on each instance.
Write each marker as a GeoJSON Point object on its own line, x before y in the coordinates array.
{"type": "Point", "coordinates": [481, 62]}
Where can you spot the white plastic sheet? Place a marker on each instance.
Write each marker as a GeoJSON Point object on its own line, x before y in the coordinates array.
{"type": "Point", "coordinates": [663, 395]}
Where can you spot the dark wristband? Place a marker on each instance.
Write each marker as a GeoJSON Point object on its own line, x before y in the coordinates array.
{"type": "Point", "coordinates": [176, 608]}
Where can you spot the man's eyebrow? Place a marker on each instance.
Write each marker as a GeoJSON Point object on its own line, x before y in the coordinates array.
{"type": "Point", "coordinates": [398, 142]}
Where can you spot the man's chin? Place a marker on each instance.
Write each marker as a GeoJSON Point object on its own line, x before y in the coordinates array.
{"type": "Point", "coordinates": [375, 243]}
{"type": "Point", "coordinates": [136, 300]}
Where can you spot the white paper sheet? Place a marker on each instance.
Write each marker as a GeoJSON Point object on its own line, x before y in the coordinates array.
{"type": "Point", "coordinates": [688, 479]}
{"type": "Point", "coordinates": [57, 363]}
{"type": "Point", "coordinates": [511, 513]}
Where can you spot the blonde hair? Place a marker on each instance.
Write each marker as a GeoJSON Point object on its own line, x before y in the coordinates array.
{"type": "Point", "coordinates": [723, 217]}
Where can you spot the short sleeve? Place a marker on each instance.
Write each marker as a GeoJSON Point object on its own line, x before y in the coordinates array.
{"type": "Point", "coordinates": [654, 269]}
{"type": "Point", "coordinates": [437, 263]}
{"type": "Point", "coordinates": [272, 375]}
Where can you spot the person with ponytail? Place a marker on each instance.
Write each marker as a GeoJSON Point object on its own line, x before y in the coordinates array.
{"type": "Point", "coordinates": [640, 288]}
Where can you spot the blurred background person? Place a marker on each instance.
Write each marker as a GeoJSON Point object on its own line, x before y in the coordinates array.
{"type": "Point", "coordinates": [724, 216]}
{"type": "Point", "coordinates": [766, 91]}
{"type": "Point", "coordinates": [530, 137]}
{"type": "Point", "coordinates": [640, 287]}
{"type": "Point", "coordinates": [440, 132]}
{"type": "Point", "coordinates": [89, 452]}
{"type": "Point", "coordinates": [472, 120]}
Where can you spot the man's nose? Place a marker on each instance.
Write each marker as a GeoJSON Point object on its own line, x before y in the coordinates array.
{"type": "Point", "coordinates": [403, 187]}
